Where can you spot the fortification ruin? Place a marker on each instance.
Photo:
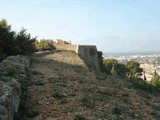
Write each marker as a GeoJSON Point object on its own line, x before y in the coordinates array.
{"type": "Point", "coordinates": [88, 53]}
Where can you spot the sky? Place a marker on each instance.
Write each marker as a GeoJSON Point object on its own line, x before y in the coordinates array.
{"type": "Point", "coordinates": [111, 25]}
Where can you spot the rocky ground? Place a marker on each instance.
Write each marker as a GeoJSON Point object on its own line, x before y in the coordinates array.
{"type": "Point", "coordinates": [12, 72]}
{"type": "Point", "coordinates": [63, 88]}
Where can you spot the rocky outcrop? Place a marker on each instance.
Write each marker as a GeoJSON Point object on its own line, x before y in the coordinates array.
{"type": "Point", "coordinates": [17, 63]}
{"type": "Point", "coordinates": [9, 98]}
{"type": "Point", "coordinates": [10, 88]}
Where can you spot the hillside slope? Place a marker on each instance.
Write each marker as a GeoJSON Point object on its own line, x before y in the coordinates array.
{"type": "Point", "coordinates": [63, 88]}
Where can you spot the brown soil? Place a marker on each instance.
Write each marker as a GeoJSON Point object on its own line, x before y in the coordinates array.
{"type": "Point", "coordinates": [63, 88]}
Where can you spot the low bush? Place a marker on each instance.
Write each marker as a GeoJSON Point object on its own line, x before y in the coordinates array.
{"type": "Point", "coordinates": [11, 72]}
{"type": "Point", "coordinates": [116, 110]}
{"type": "Point", "coordinates": [43, 45]}
{"type": "Point", "coordinates": [57, 94]}
{"type": "Point", "coordinates": [25, 110]}
{"type": "Point", "coordinates": [88, 101]}
{"type": "Point", "coordinates": [79, 117]}
{"type": "Point", "coordinates": [39, 82]}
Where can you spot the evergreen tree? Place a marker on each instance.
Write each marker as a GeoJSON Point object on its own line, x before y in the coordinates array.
{"type": "Point", "coordinates": [155, 81]}
{"type": "Point", "coordinates": [134, 69]}
{"type": "Point", "coordinates": [24, 44]}
{"type": "Point", "coordinates": [121, 70]}
{"type": "Point", "coordinates": [108, 63]}
{"type": "Point", "coordinates": [12, 43]}
{"type": "Point", "coordinates": [7, 37]}
{"type": "Point", "coordinates": [113, 72]}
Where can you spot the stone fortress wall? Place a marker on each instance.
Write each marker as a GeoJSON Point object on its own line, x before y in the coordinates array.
{"type": "Point", "coordinates": [90, 55]}
{"type": "Point", "coordinates": [87, 53]}
{"type": "Point", "coordinates": [68, 47]}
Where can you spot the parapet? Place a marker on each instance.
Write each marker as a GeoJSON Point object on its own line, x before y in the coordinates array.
{"type": "Point", "coordinates": [88, 53]}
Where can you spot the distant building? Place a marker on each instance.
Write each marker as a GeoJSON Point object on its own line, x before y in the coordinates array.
{"type": "Point", "coordinates": [149, 70]}
{"type": "Point", "coordinates": [122, 61]}
{"type": "Point", "coordinates": [148, 76]}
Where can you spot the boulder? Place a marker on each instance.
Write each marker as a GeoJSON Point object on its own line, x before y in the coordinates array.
{"type": "Point", "coordinates": [17, 63]}
{"type": "Point", "coordinates": [10, 88]}
{"type": "Point", "coordinates": [9, 98]}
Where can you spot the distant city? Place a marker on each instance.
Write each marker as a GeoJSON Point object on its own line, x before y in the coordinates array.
{"type": "Point", "coordinates": [129, 53]}
{"type": "Point", "coordinates": [149, 61]}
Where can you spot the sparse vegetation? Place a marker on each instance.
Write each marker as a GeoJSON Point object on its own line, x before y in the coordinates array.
{"type": "Point", "coordinates": [11, 72]}
{"type": "Point", "coordinates": [51, 80]}
{"type": "Point", "coordinates": [44, 44]}
{"type": "Point", "coordinates": [57, 94]}
{"type": "Point", "coordinates": [155, 111]}
{"type": "Point", "coordinates": [112, 67]}
{"type": "Point", "coordinates": [79, 117]}
{"type": "Point", "coordinates": [134, 69]}
{"type": "Point", "coordinates": [105, 114]}
{"type": "Point", "coordinates": [35, 72]}
{"type": "Point", "coordinates": [118, 93]}
{"type": "Point", "coordinates": [78, 69]}
{"type": "Point", "coordinates": [117, 109]}
{"type": "Point", "coordinates": [91, 94]}
{"type": "Point", "coordinates": [131, 72]}
{"type": "Point", "coordinates": [39, 82]}
{"type": "Point", "coordinates": [25, 109]}
{"type": "Point", "coordinates": [88, 101]}
{"type": "Point", "coordinates": [155, 82]}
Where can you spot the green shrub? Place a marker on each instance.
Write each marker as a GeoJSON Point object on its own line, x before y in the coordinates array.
{"type": "Point", "coordinates": [105, 115]}
{"type": "Point", "coordinates": [125, 98]}
{"type": "Point", "coordinates": [78, 69]}
{"type": "Point", "coordinates": [79, 117]}
{"type": "Point", "coordinates": [39, 82]}
{"type": "Point", "coordinates": [155, 111]}
{"type": "Point", "coordinates": [116, 110]}
{"type": "Point", "coordinates": [51, 80]}
{"type": "Point", "coordinates": [155, 82]}
{"type": "Point", "coordinates": [43, 45]}
{"type": "Point", "coordinates": [11, 72]}
{"type": "Point", "coordinates": [57, 94]}
{"type": "Point", "coordinates": [88, 101]}
{"type": "Point", "coordinates": [25, 109]}
{"type": "Point", "coordinates": [33, 113]}
{"type": "Point", "coordinates": [101, 97]}
{"type": "Point", "coordinates": [35, 72]}
{"type": "Point", "coordinates": [138, 83]}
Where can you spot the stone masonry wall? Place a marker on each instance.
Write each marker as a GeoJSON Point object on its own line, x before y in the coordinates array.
{"type": "Point", "coordinates": [89, 54]}
{"type": "Point", "coordinates": [68, 47]}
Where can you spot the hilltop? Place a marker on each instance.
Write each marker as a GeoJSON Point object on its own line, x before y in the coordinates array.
{"type": "Point", "coordinates": [67, 83]}
{"type": "Point", "coordinates": [62, 87]}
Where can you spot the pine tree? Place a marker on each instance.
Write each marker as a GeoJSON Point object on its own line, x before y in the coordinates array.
{"type": "Point", "coordinates": [113, 72]}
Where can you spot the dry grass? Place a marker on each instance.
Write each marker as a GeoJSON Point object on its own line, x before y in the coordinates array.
{"type": "Point", "coordinates": [71, 91]}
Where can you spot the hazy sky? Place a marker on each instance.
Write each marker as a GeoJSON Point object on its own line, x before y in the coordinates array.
{"type": "Point", "coordinates": [112, 25]}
